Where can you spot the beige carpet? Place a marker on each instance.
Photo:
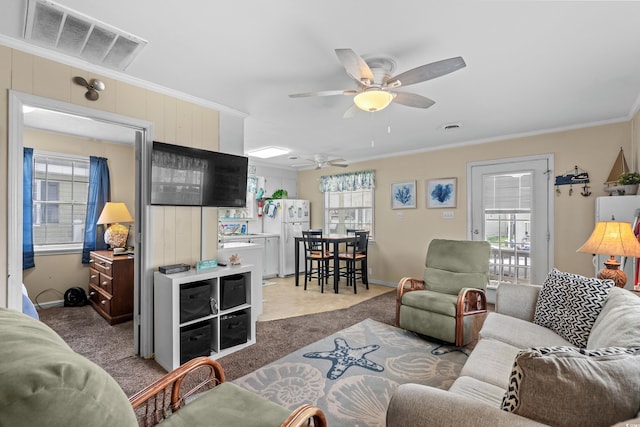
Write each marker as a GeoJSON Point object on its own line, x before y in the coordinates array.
{"type": "Point", "coordinates": [282, 299]}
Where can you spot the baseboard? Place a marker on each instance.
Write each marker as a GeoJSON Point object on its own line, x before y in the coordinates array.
{"type": "Point", "coordinates": [49, 304]}
{"type": "Point", "coordinates": [383, 283]}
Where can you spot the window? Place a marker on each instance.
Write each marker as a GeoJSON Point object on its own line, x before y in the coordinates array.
{"type": "Point", "coordinates": [348, 209]}
{"type": "Point", "coordinates": [60, 188]}
{"type": "Point", "coordinates": [348, 202]}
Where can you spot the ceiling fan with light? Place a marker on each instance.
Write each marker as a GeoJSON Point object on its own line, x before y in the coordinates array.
{"type": "Point", "coordinates": [322, 161]}
{"type": "Point", "coordinates": [376, 86]}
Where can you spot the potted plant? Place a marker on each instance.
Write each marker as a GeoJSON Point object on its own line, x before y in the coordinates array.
{"type": "Point", "coordinates": [630, 180]}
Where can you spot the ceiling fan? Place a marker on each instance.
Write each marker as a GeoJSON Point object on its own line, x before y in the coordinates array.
{"type": "Point", "coordinates": [376, 86]}
{"type": "Point", "coordinates": [322, 161]}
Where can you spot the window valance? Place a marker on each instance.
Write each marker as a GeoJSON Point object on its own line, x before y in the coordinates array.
{"type": "Point", "coordinates": [362, 180]}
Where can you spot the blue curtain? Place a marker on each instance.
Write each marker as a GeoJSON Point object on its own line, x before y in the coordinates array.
{"type": "Point", "coordinates": [99, 195]}
{"type": "Point", "coordinates": [27, 209]}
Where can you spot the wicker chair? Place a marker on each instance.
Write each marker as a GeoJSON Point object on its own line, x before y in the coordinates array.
{"type": "Point", "coordinates": [45, 383]}
{"type": "Point", "coordinates": [224, 403]}
{"type": "Point", "coordinates": [452, 291]}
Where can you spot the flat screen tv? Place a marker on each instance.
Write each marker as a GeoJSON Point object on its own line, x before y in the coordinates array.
{"type": "Point", "coordinates": [185, 176]}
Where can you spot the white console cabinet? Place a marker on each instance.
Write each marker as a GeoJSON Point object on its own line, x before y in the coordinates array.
{"type": "Point", "coordinates": [211, 312]}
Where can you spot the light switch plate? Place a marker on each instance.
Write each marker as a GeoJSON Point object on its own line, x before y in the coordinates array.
{"type": "Point", "coordinates": [447, 214]}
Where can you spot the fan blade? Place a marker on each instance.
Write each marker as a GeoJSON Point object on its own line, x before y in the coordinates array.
{"type": "Point", "coordinates": [413, 100]}
{"type": "Point", "coordinates": [324, 93]}
{"type": "Point", "coordinates": [428, 71]}
{"type": "Point", "coordinates": [351, 112]}
{"type": "Point", "coordinates": [339, 165]}
{"type": "Point", "coordinates": [354, 64]}
{"type": "Point", "coordinates": [81, 81]}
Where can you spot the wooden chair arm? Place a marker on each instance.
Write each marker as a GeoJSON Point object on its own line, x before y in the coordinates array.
{"type": "Point", "coordinates": [163, 396]}
{"type": "Point", "coordinates": [471, 301]}
{"type": "Point", "coordinates": [300, 417]}
{"type": "Point", "coordinates": [406, 284]}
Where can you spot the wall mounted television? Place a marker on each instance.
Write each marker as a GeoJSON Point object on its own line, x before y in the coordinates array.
{"type": "Point", "coordinates": [186, 176]}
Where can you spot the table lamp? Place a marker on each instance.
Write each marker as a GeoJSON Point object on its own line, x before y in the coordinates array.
{"type": "Point", "coordinates": [615, 239]}
{"type": "Point", "coordinates": [114, 213]}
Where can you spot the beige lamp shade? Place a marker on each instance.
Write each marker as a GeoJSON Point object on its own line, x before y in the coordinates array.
{"type": "Point", "coordinates": [373, 100]}
{"type": "Point", "coordinates": [114, 213]}
{"type": "Point", "coordinates": [612, 238]}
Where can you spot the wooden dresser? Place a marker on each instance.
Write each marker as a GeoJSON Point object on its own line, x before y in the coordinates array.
{"type": "Point", "coordinates": [111, 285]}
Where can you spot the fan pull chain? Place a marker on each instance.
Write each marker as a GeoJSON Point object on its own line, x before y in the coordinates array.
{"type": "Point", "coordinates": [373, 144]}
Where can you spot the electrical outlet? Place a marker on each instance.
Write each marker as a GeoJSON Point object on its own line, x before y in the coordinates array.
{"type": "Point", "coordinates": [370, 270]}
{"type": "Point", "coordinates": [447, 214]}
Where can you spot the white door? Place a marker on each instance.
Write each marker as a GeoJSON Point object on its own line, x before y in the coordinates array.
{"type": "Point", "coordinates": [511, 206]}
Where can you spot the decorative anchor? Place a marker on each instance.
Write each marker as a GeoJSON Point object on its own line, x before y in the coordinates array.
{"type": "Point", "coordinates": [576, 176]}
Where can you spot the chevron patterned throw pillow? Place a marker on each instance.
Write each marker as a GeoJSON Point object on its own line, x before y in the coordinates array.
{"type": "Point", "coordinates": [569, 305]}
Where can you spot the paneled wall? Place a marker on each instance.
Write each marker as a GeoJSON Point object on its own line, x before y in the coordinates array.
{"type": "Point", "coordinates": [176, 232]}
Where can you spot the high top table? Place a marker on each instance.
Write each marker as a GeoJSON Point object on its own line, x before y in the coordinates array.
{"type": "Point", "coordinates": [331, 239]}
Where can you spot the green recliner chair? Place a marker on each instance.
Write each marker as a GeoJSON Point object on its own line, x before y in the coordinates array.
{"type": "Point", "coordinates": [452, 291]}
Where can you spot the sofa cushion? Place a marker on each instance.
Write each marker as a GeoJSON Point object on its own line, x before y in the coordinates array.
{"type": "Point", "coordinates": [569, 305]}
{"type": "Point", "coordinates": [491, 362]}
{"type": "Point", "coordinates": [518, 332]}
{"type": "Point", "coordinates": [228, 405]}
{"type": "Point", "coordinates": [619, 322]}
{"type": "Point", "coordinates": [455, 264]}
{"type": "Point", "coordinates": [435, 302]}
{"type": "Point", "coordinates": [478, 390]}
{"type": "Point", "coordinates": [566, 386]}
{"type": "Point", "coordinates": [45, 383]}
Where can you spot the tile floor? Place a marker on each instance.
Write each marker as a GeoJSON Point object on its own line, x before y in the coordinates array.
{"type": "Point", "coordinates": [282, 299]}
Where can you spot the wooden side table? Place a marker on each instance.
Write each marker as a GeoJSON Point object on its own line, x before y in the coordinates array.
{"type": "Point", "coordinates": [111, 285]}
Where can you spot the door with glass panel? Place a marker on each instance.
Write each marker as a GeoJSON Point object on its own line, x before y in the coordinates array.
{"type": "Point", "coordinates": [510, 204]}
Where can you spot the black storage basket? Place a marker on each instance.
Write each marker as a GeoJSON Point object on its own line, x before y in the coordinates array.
{"type": "Point", "coordinates": [195, 301]}
{"type": "Point", "coordinates": [233, 291]}
{"type": "Point", "coordinates": [234, 329]}
{"type": "Point", "coordinates": [195, 340]}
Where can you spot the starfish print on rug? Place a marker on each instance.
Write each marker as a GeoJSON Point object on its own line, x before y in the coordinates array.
{"type": "Point", "coordinates": [343, 357]}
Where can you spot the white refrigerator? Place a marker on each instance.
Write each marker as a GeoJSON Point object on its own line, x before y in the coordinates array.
{"type": "Point", "coordinates": [618, 208]}
{"type": "Point", "coordinates": [288, 218]}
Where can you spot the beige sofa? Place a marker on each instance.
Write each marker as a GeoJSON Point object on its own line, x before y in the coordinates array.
{"type": "Point", "coordinates": [476, 397]}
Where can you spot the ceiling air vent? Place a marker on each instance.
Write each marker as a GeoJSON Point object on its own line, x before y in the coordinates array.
{"type": "Point", "coordinates": [59, 28]}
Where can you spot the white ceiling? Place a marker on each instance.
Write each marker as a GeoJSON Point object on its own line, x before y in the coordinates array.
{"type": "Point", "coordinates": [532, 67]}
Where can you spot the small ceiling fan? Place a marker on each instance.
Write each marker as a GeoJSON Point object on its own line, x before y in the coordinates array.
{"type": "Point", "coordinates": [93, 87]}
{"type": "Point", "coordinates": [322, 161]}
{"type": "Point", "coordinates": [376, 86]}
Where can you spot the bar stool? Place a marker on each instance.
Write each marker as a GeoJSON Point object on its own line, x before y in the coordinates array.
{"type": "Point", "coordinates": [314, 251]}
{"type": "Point", "coordinates": [357, 253]}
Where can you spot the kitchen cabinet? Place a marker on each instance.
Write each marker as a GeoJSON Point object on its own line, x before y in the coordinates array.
{"type": "Point", "coordinates": [269, 249]}
{"type": "Point", "coordinates": [271, 257]}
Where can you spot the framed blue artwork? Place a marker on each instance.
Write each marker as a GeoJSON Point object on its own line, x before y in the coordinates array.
{"type": "Point", "coordinates": [403, 195]}
{"type": "Point", "coordinates": [442, 193]}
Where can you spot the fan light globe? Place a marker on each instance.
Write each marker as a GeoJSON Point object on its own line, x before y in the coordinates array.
{"type": "Point", "coordinates": [373, 100]}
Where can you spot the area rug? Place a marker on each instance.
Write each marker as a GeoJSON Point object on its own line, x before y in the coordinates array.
{"type": "Point", "coordinates": [352, 374]}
